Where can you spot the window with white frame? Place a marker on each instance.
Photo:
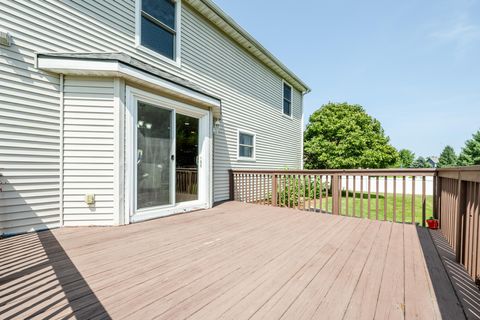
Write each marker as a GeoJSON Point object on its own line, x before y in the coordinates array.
{"type": "Point", "coordinates": [246, 145]}
{"type": "Point", "coordinates": [158, 26]}
{"type": "Point", "coordinates": [287, 99]}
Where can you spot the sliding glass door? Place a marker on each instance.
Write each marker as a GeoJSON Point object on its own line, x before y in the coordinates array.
{"type": "Point", "coordinates": [154, 156]}
{"type": "Point", "coordinates": [168, 144]}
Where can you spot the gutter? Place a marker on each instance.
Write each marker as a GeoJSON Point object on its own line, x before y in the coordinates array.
{"type": "Point", "coordinates": [243, 33]}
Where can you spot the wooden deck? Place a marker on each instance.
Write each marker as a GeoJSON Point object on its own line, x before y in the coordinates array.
{"type": "Point", "coordinates": [236, 261]}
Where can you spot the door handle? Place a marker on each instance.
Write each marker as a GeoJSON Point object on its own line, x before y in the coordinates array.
{"type": "Point", "coordinates": [172, 157]}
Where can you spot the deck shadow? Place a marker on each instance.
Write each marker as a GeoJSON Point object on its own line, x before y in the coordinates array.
{"type": "Point", "coordinates": [38, 279]}
{"type": "Point", "coordinates": [467, 292]}
{"type": "Point", "coordinates": [457, 295]}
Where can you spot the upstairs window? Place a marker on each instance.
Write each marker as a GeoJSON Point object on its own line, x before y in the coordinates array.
{"type": "Point", "coordinates": [287, 99]}
{"type": "Point", "coordinates": [246, 146]}
{"type": "Point", "coordinates": [158, 26]}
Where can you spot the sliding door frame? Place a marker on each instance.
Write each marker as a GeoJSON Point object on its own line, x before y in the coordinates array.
{"type": "Point", "coordinates": [133, 214]}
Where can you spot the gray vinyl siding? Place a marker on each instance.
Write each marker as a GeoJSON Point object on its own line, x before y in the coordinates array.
{"type": "Point", "coordinates": [88, 151]}
{"type": "Point", "coordinates": [251, 95]}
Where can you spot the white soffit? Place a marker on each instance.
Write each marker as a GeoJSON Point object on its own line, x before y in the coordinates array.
{"type": "Point", "coordinates": [115, 68]}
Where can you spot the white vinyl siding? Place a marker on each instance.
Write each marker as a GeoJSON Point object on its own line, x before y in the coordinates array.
{"type": "Point", "coordinates": [250, 94]}
{"type": "Point", "coordinates": [29, 144]}
{"type": "Point", "coordinates": [88, 151]}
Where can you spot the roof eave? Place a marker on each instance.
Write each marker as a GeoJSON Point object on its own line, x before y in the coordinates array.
{"type": "Point", "coordinates": [223, 21]}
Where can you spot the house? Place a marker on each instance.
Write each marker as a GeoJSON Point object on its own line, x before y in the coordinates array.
{"type": "Point", "coordinates": [113, 112]}
{"type": "Point", "coordinates": [433, 161]}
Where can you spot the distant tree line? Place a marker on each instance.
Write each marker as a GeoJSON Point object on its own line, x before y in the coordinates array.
{"type": "Point", "coordinates": [344, 136]}
{"type": "Point", "coordinates": [469, 156]}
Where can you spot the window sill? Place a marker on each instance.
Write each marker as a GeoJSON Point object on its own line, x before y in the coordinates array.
{"type": "Point", "coordinates": [175, 63]}
{"type": "Point", "coordinates": [287, 116]}
{"type": "Point", "coordinates": [241, 159]}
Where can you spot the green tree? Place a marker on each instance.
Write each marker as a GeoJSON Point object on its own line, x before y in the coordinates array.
{"type": "Point", "coordinates": [421, 162]}
{"type": "Point", "coordinates": [448, 158]}
{"type": "Point", "coordinates": [406, 158]}
{"type": "Point", "coordinates": [470, 154]}
{"type": "Point", "coordinates": [343, 136]}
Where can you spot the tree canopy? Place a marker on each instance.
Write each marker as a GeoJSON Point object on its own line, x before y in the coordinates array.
{"type": "Point", "coordinates": [447, 158]}
{"type": "Point", "coordinates": [406, 158]}
{"type": "Point", "coordinates": [470, 154]}
{"type": "Point", "coordinates": [344, 136]}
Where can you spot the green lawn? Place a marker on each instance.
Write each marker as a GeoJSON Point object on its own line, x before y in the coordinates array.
{"type": "Point", "coordinates": [373, 206]}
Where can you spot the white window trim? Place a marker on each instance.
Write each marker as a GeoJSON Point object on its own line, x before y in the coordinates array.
{"type": "Point", "coordinates": [246, 159]}
{"type": "Point", "coordinates": [177, 62]}
{"type": "Point", "coordinates": [291, 100]}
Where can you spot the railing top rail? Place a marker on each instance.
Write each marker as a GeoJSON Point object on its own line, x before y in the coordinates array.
{"type": "Point", "coordinates": [457, 169]}
{"type": "Point", "coordinates": [380, 172]}
{"type": "Point", "coordinates": [471, 174]}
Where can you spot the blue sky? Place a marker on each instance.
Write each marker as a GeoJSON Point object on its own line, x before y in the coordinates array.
{"type": "Point", "coordinates": [413, 64]}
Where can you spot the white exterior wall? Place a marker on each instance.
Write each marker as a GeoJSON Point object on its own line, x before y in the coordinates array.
{"type": "Point", "coordinates": [251, 95]}
{"type": "Point", "coordinates": [29, 140]}
{"type": "Point", "coordinates": [252, 99]}
{"type": "Point", "coordinates": [88, 151]}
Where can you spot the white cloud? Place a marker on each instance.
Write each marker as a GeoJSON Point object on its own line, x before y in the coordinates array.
{"type": "Point", "coordinates": [461, 33]}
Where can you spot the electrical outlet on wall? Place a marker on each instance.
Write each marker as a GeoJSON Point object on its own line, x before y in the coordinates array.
{"type": "Point", "coordinates": [90, 199]}
{"type": "Point", "coordinates": [5, 39]}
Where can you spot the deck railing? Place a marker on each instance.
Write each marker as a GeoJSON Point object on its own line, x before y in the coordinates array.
{"type": "Point", "coordinates": [459, 203]}
{"type": "Point", "coordinates": [404, 195]}
{"type": "Point", "coordinates": [397, 195]}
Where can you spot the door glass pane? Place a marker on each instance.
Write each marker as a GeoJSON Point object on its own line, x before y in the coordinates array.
{"type": "Point", "coordinates": [154, 141]}
{"type": "Point", "coordinates": [187, 158]}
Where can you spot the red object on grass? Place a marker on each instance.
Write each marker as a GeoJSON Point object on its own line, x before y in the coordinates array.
{"type": "Point", "coordinates": [432, 224]}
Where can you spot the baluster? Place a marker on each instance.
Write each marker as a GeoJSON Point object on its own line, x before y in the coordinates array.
{"type": "Point", "coordinates": [321, 193]}
{"type": "Point", "coordinates": [354, 195]}
{"type": "Point", "coordinates": [394, 198]}
{"type": "Point", "coordinates": [377, 185]}
{"type": "Point", "coordinates": [404, 191]}
{"type": "Point", "coordinates": [346, 197]}
{"type": "Point", "coordinates": [369, 196]}
{"type": "Point", "coordinates": [424, 200]}
{"type": "Point", "coordinates": [328, 185]}
{"type": "Point", "coordinates": [361, 196]}
{"type": "Point", "coordinates": [385, 195]}
{"type": "Point", "coordinates": [413, 200]}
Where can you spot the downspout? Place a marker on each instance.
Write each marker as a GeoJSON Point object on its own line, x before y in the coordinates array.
{"type": "Point", "coordinates": [302, 129]}
{"type": "Point", "coordinates": [62, 108]}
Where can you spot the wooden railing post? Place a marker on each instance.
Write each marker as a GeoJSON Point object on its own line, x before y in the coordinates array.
{"type": "Point", "coordinates": [274, 190]}
{"type": "Point", "coordinates": [437, 181]}
{"type": "Point", "coordinates": [460, 212]}
{"type": "Point", "coordinates": [335, 194]}
{"type": "Point", "coordinates": [231, 185]}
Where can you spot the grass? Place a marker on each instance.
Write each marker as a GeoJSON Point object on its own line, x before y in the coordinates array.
{"type": "Point", "coordinates": [373, 206]}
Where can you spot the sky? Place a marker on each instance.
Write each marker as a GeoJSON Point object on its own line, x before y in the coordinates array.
{"type": "Point", "coordinates": [412, 64]}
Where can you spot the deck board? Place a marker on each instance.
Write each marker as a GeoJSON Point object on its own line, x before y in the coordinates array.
{"type": "Point", "coordinates": [235, 261]}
